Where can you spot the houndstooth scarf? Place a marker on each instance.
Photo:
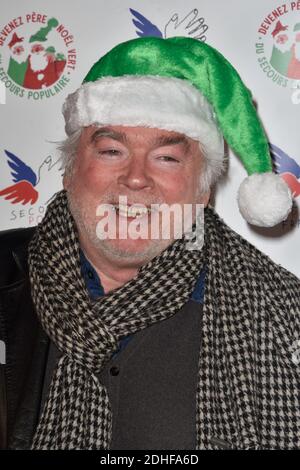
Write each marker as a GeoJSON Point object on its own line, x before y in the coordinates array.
{"type": "Point", "coordinates": [248, 386]}
{"type": "Point", "coordinates": [78, 414]}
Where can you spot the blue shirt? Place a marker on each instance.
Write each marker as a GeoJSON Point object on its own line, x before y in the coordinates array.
{"type": "Point", "coordinates": [95, 288]}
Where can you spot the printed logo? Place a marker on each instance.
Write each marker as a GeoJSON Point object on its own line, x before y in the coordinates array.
{"type": "Point", "coordinates": [278, 45]}
{"type": "Point", "coordinates": [37, 56]}
{"type": "Point", "coordinates": [30, 187]}
{"type": "Point", "coordinates": [191, 25]}
{"type": "Point", "coordinates": [287, 168]}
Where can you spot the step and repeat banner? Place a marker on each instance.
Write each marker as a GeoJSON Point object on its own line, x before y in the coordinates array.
{"type": "Point", "coordinates": [47, 47]}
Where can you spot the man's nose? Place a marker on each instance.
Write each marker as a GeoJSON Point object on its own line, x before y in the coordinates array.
{"type": "Point", "coordinates": [136, 174]}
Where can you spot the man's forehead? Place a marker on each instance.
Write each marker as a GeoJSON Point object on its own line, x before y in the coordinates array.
{"type": "Point", "coordinates": [127, 133]}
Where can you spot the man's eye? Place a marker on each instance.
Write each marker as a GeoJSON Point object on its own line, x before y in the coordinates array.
{"type": "Point", "coordinates": [167, 158]}
{"type": "Point", "coordinates": [113, 152]}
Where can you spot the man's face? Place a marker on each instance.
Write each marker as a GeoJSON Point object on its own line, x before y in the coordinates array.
{"type": "Point", "coordinates": [148, 166]}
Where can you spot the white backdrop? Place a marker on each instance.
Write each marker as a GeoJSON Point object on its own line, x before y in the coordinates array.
{"type": "Point", "coordinates": [261, 39]}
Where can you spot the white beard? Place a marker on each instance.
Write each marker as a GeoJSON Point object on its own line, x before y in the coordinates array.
{"type": "Point", "coordinates": [86, 223]}
{"type": "Point", "coordinates": [38, 62]}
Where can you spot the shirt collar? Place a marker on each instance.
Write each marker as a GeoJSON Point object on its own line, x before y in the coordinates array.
{"type": "Point", "coordinates": [95, 288]}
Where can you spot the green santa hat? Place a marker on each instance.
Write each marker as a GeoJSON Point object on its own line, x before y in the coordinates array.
{"type": "Point", "coordinates": [184, 85]}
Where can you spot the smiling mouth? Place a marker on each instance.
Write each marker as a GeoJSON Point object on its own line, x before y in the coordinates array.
{"type": "Point", "coordinates": [132, 211]}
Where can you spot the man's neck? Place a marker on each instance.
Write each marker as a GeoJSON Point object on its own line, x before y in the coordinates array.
{"type": "Point", "coordinates": [111, 275]}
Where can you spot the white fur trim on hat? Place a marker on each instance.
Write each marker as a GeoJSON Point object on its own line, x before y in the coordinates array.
{"type": "Point", "coordinates": [150, 101]}
{"type": "Point", "coordinates": [264, 199]}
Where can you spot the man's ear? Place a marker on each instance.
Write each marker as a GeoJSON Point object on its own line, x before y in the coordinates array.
{"type": "Point", "coordinates": [204, 198]}
{"type": "Point", "coordinates": [66, 180]}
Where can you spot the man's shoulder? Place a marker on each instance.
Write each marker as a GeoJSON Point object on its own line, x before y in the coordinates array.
{"type": "Point", "coordinates": [254, 261]}
{"type": "Point", "coordinates": [266, 268]}
{"type": "Point", "coordinates": [13, 238]}
{"type": "Point", "coordinates": [272, 276]}
{"type": "Point", "coordinates": [288, 284]}
{"type": "Point", "coordinates": [13, 254]}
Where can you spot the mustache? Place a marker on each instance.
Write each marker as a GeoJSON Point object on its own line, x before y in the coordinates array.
{"type": "Point", "coordinates": [130, 200]}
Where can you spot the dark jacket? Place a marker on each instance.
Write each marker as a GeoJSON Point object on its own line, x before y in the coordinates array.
{"type": "Point", "coordinates": [161, 393]}
{"type": "Point", "coordinates": [26, 354]}
{"type": "Point", "coordinates": [256, 363]}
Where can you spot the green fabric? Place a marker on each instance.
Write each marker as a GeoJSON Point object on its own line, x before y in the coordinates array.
{"type": "Point", "coordinates": [207, 70]}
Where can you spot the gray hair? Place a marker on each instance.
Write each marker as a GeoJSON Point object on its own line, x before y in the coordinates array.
{"type": "Point", "coordinates": [214, 165]}
{"type": "Point", "coordinates": [68, 150]}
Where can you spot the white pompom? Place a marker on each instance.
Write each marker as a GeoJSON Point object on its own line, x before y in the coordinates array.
{"type": "Point", "coordinates": [264, 199]}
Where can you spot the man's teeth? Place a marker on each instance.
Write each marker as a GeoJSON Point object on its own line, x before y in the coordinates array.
{"type": "Point", "coordinates": [132, 211]}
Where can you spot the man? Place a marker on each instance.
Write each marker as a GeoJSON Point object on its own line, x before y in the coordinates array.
{"type": "Point", "coordinates": [124, 343]}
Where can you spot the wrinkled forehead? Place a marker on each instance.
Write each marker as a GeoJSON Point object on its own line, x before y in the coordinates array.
{"type": "Point", "coordinates": [129, 134]}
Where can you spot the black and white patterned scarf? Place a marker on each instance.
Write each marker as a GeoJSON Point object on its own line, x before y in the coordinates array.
{"type": "Point", "coordinates": [248, 393]}
{"type": "Point", "coordinates": [77, 414]}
